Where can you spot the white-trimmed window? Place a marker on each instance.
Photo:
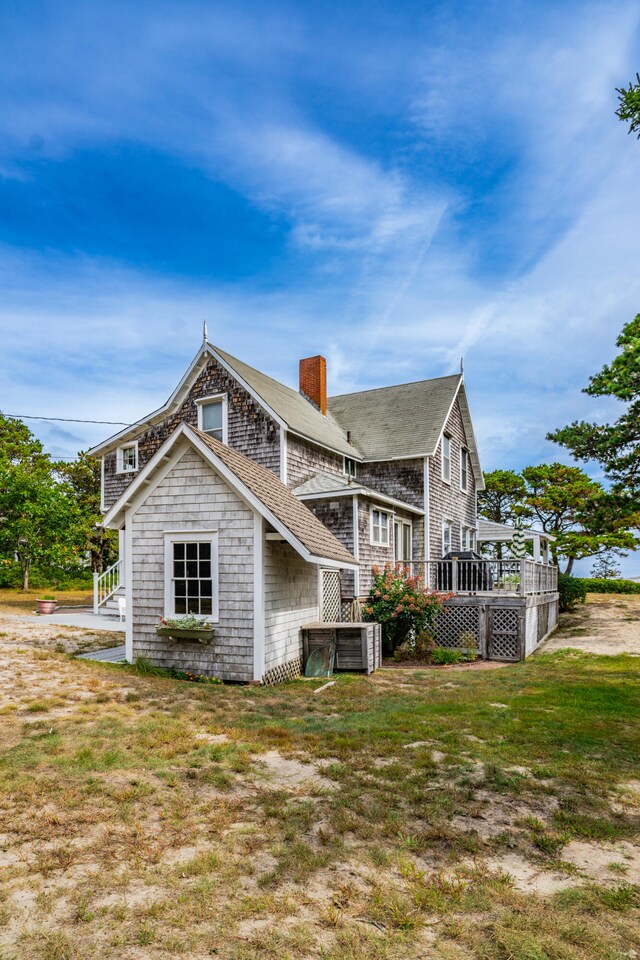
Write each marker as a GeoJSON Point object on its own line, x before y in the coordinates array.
{"type": "Point", "coordinates": [468, 538]}
{"type": "Point", "coordinates": [464, 469]}
{"type": "Point", "coordinates": [380, 522]}
{"type": "Point", "coordinates": [212, 416]}
{"type": "Point", "coordinates": [191, 574]}
{"type": "Point", "coordinates": [402, 541]}
{"type": "Point", "coordinates": [349, 467]}
{"type": "Point", "coordinates": [127, 458]}
{"type": "Point", "coordinates": [447, 537]}
{"type": "Point", "coordinates": [446, 458]}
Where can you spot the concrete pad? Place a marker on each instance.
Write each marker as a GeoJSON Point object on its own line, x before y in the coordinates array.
{"type": "Point", "coordinates": [82, 619]}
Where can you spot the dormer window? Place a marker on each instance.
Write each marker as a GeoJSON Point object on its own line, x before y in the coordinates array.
{"type": "Point", "coordinates": [349, 468]}
{"type": "Point", "coordinates": [212, 416]}
{"type": "Point", "coordinates": [127, 458]}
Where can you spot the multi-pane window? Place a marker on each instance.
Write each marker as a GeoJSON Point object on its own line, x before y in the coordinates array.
{"type": "Point", "coordinates": [127, 458]}
{"type": "Point", "coordinates": [447, 532]}
{"type": "Point", "coordinates": [350, 467]}
{"type": "Point", "coordinates": [212, 419]}
{"type": "Point", "coordinates": [464, 469]}
{"type": "Point", "coordinates": [192, 578]}
{"type": "Point", "coordinates": [380, 528]}
{"type": "Point", "coordinates": [446, 458]}
{"type": "Point", "coordinates": [468, 538]}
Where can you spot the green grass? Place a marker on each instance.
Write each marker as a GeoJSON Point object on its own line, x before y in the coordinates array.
{"type": "Point", "coordinates": [391, 852]}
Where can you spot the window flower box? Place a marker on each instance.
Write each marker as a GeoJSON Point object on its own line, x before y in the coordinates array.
{"type": "Point", "coordinates": [186, 628]}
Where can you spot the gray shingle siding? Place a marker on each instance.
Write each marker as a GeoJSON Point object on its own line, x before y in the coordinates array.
{"type": "Point", "coordinates": [447, 501]}
{"type": "Point", "coordinates": [401, 479]}
{"type": "Point", "coordinates": [193, 497]}
{"type": "Point", "coordinates": [305, 459]}
{"type": "Point", "coordinates": [290, 600]}
{"type": "Point", "coordinates": [250, 429]}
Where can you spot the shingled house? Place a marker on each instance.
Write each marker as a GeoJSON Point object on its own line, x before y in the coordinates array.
{"type": "Point", "coordinates": [264, 508]}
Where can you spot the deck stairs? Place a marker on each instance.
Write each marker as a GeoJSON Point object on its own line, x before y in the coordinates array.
{"type": "Point", "coordinates": [108, 589]}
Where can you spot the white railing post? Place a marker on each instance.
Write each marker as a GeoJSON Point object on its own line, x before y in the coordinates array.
{"type": "Point", "coordinates": [523, 573]}
{"type": "Point", "coordinates": [96, 577]}
{"type": "Point", "coordinates": [454, 574]}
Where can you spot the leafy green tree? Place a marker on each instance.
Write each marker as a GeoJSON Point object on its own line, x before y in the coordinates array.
{"type": "Point", "coordinates": [616, 446]}
{"type": "Point", "coordinates": [83, 482]}
{"type": "Point", "coordinates": [629, 105]}
{"type": "Point", "coordinates": [36, 513]}
{"type": "Point", "coordinates": [502, 500]}
{"type": "Point", "coordinates": [605, 568]}
{"type": "Point", "coordinates": [584, 518]}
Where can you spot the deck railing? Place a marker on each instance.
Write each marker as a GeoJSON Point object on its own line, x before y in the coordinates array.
{"type": "Point", "coordinates": [509, 577]}
{"type": "Point", "coordinates": [105, 584]}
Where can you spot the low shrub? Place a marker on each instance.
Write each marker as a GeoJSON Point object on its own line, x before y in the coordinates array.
{"type": "Point", "coordinates": [572, 592]}
{"type": "Point", "coordinates": [442, 655]}
{"type": "Point", "coordinates": [600, 585]}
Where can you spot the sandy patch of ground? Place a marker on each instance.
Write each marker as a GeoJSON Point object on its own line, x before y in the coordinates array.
{"type": "Point", "coordinates": [54, 636]}
{"type": "Point", "coordinates": [605, 862]}
{"type": "Point", "coordinates": [607, 623]}
{"type": "Point", "coordinates": [284, 773]}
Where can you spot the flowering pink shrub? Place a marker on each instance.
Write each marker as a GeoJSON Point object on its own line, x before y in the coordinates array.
{"type": "Point", "coordinates": [401, 604]}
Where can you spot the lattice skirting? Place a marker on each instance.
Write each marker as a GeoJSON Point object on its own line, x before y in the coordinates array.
{"type": "Point", "coordinates": [285, 671]}
{"type": "Point", "coordinates": [456, 625]}
{"type": "Point", "coordinates": [504, 635]}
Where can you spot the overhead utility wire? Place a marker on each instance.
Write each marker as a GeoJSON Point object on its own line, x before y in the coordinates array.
{"type": "Point", "coordinates": [111, 423]}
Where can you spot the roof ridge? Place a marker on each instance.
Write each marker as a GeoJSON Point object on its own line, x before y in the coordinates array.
{"type": "Point", "coordinates": [394, 386]}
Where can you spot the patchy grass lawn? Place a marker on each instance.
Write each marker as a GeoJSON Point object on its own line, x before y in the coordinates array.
{"type": "Point", "coordinates": [490, 814]}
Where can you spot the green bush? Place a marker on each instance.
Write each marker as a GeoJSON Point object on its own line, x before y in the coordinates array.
{"type": "Point", "coordinates": [572, 591]}
{"type": "Point", "coordinates": [400, 603]}
{"type": "Point", "coordinates": [599, 585]}
{"type": "Point", "coordinates": [442, 655]}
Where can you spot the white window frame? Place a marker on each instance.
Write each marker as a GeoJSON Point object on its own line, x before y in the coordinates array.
{"type": "Point", "coordinates": [464, 470]}
{"type": "Point", "coordinates": [120, 468]}
{"type": "Point", "coordinates": [353, 475]}
{"type": "Point", "coordinates": [191, 536]}
{"type": "Point", "coordinates": [467, 538]}
{"type": "Point", "coordinates": [447, 524]}
{"type": "Point", "coordinates": [388, 515]}
{"type": "Point", "coordinates": [445, 460]}
{"type": "Point", "coordinates": [397, 522]}
{"type": "Point", "coordinates": [221, 398]}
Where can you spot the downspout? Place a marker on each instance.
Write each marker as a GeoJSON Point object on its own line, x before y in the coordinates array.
{"type": "Point", "coordinates": [356, 546]}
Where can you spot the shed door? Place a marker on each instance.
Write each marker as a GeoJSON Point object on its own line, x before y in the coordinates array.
{"type": "Point", "coordinates": [503, 634]}
{"type": "Point", "coordinates": [330, 596]}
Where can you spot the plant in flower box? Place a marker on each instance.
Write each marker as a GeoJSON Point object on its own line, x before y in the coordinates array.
{"type": "Point", "coordinates": [189, 627]}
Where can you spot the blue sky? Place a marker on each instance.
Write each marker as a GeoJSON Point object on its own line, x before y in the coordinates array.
{"type": "Point", "coordinates": [395, 185]}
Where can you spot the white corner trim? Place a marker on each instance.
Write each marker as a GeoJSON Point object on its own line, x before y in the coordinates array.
{"type": "Point", "coordinates": [190, 536]}
{"type": "Point", "coordinates": [356, 545]}
{"type": "Point", "coordinates": [427, 511]}
{"type": "Point", "coordinates": [221, 398]}
{"type": "Point", "coordinates": [283, 455]}
{"type": "Point", "coordinates": [103, 508]}
{"type": "Point", "coordinates": [128, 585]}
{"type": "Point", "coordinates": [259, 639]}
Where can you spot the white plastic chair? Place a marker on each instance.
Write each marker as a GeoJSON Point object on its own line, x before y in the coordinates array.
{"type": "Point", "coordinates": [122, 608]}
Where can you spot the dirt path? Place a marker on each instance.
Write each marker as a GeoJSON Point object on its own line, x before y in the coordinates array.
{"type": "Point", "coordinates": [607, 623]}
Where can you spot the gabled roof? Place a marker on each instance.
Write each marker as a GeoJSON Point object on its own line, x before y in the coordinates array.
{"type": "Point", "coordinates": [324, 485]}
{"type": "Point", "coordinates": [406, 420]}
{"type": "Point", "coordinates": [387, 423]}
{"type": "Point", "coordinates": [257, 485]}
{"type": "Point", "coordinates": [298, 414]}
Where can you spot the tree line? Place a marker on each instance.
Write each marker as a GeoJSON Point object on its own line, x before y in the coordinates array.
{"type": "Point", "coordinates": [49, 512]}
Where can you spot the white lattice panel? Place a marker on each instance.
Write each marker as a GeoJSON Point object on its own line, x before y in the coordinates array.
{"type": "Point", "coordinates": [331, 606]}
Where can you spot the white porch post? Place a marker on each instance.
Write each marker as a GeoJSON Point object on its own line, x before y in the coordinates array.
{"type": "Point", "coordinates": [536, 549]}
{"type": "Point", "coordinates": [96, 577]}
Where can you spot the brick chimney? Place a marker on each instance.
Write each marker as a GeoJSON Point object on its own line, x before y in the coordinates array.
{"type": "Point", "coordinates": [313, 382]}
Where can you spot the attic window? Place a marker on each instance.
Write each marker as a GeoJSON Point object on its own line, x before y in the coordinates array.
{"type": "Point", "coordinates": [212, 416]}
{"type": "Point", "coordinates": [464, 469]}
{"type": "Point", "coordinates": [127, 458]}
{"type": "Point", "coordinates": [349, 468]}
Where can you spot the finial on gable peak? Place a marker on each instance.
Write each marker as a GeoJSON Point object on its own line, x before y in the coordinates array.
{"type": "Point", "coordinates": [462, 366]}
{"type": "Point", "coordinates": [205, 336]}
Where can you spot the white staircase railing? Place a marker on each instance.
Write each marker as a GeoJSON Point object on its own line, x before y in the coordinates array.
{"type": "Point", "coordinates": [105, 584]}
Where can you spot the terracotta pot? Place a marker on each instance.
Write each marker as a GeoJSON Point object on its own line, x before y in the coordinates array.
{"type": "Point", "coordinates": [46, 606]}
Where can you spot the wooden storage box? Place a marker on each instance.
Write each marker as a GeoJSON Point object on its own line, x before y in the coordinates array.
{"type": "Point", "coordinates": [358, 645]}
